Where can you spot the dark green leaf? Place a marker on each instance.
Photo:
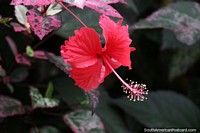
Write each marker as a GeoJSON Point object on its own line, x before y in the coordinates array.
{"type": "Point", "coordinates": [193, 90]}
{"type": "Point", "coordinates": [169, 40]}
{"type": "Point", "coordinates": [58, 61]}
{"type": "Point", "coordinates": [70, 93]}
{"type": "Point", "coordinates": [90, 17]}
{"type": "Point", "coordinates": [114, 123]}
{"type": "Point", "coordinates": [2, 72]}
{"type": "Point", "coordinates": [81, 121]}
{"type": "Point", "coordinates": [10, 107]}
{"type": "Point", "coordinates": [132, 6]}
{"type": "Point", "coordinates": [163, 109]}
{"type": "Point", "coordinates": [19, 74]}
{"type": "Point", "coordinates": [176, 17]}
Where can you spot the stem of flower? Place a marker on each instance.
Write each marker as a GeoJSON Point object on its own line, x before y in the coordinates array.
{"type": "Point", "coordinates": [72, 14]}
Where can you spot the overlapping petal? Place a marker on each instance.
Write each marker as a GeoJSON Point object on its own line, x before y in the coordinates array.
{"type": "Point", "coordinates": [117, 40]}
{"type": "Point", "coordinates": [90, 77]}
{"type": "Point", "coordinates": [81, 50]}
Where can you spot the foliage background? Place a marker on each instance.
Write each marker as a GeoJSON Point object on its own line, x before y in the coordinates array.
{"type": "Point", "coordinates": [167, 64]}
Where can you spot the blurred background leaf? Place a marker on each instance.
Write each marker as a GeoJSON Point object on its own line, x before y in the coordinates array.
{"type": "Point", "coordinates": [81, 121]}
{"type": "Point", "coordinates": [163, 109]}
{"type": "Point", "coordinates": [184, 23]}
{"type": "Point", "coordinates": [46, 129]}
{"type": "Point", "coordinates": [112, 119]}
{"type": "Point", "coordinates": [182, 60]}
{"type": "Point", "coordinates": [10, 107]}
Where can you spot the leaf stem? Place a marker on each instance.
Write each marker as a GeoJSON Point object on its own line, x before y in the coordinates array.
{"type": "Point", "coordinates": [72, 14]}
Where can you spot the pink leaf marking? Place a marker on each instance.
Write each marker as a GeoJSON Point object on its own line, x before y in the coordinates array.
{"type": "Point", "coordinates": [41, 55]}
{"type": "Point", "coordinates": [32, 2]}
{"type": "Point", "coordinates": [103, 8]}
{"type": "Point", "coordinates": [20, 59]}
{"type": "Point", "coordinates": [12, 45]}
{"type": "Point", "coordinates": [1, 69]}
{"type": "Point", "coordinates": [42, 25]}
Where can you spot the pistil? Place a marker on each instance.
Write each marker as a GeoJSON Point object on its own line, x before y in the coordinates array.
{"type": "Point", "coordinates": [135, 91]}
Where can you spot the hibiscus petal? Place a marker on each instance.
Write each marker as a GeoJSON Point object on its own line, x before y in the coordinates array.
{"type": "Point", "coordinates": [117, 40]}
{"type": "Point", "coordinates": [81, 50]}
{"type": "Point", "coordinates": [89, 77]}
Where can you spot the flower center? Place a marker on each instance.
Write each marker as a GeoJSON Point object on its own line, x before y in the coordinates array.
{"type": "Point", "coordinates": [135, 91]}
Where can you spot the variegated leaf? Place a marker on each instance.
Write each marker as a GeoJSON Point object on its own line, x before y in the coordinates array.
{"type": "Point", "coordinates": [81, 121]}
{"type": "Point", "coordinates": [32, 2]}
{"type": "Point", "coordinates": [38, 101]}
{"type": "Point", "coordinates": [10, 107]}
{"type": "Point", "coordinates": [42, 25]}
{"type": "Point", "coordinates": [103, 8]}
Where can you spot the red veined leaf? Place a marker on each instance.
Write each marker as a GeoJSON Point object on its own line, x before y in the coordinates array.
{"type": "Point", "coordinates": [103, 8]}
{"type": "Point", "coordinates": [42, 25]}
{"type": "Point", "coordinates": [17, 27]}
{"type": "Point", "coordinates": [32, 2]}
{"type": "Point", "coordinates": [39, 54]}
{"type": "Point", "coordinates": [12, 45]}
{"type": "Point", "coordinates": [10, 107]}
{"type": "Point", "coordinates": [20, 59]}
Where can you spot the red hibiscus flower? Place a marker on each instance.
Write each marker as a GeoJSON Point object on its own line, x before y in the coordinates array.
{"type": "Point", "coordinates": [91, 63]}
